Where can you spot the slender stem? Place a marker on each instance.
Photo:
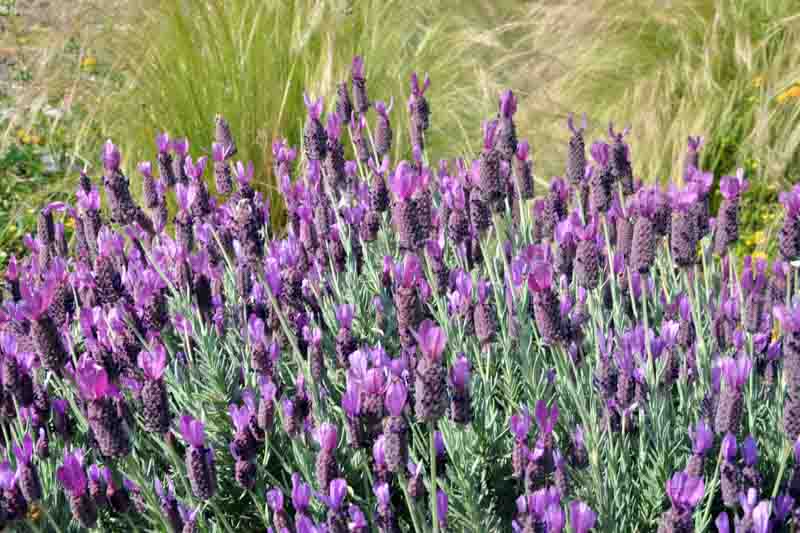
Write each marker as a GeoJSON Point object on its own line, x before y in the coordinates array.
{"type": "Point", "coordinates": [712, 487]}
{"type": "Point", "coordinates": [221, 515]}
{"type": "Point", "coordinates": [412, 505]}
{"type": "Point", "coordinates": [433, 492]}
{"type": "Point", "coordinates": [787, 450]}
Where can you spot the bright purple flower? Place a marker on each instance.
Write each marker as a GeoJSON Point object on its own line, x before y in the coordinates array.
{"type": "Point", "coordinates": [702, 438]}
{"type": "Point", "coordinates": [441, 508]}
{"type": "Point", "coordinates": [314, 107]}
{"type": "Point", "coordinates": [185, 195]}
{"type": "Point", "coordinates": [761, 514]}
{"type": "Point", "coordinates": [93, 380]}
{"type": "Point", "coordinates": [520, 424]}
{"type": "Point", "coordinates": [301, 494]}
{"type": "Point", "coordinates": [162, 142]}
{"type": "Point", "coordinates": [545, 417]}
{"type": "Point", "coordinates": [182, 324]}
{"type": "Point", "coordinates": [153, 362]}
{"type": "Point", "coordinates": [460, 373]}
{"type": "Point", "coordinates": [180, 147]}
{"type": "Point", "coordinates": [244, 175]}
{"type": "Point", "coordinates": [396, 397]}
{"type": "Point", "coordinates": [344, 315]}
{"type": "Point", "coordinates": [275, 499]}
{"type": "Point", "coordinates": [555, 518]}
{"type": "Point", "coordinates": [71, 475]}
{"type": "Point", "coordinates": [736, 371]}
{"type": "Point", "coordinates": [723, 523]}
{"type": "Point", "coordinates": [336, 494]}
{"type": "Point", "coordinates": [195, 169]}
{"type": "Point", "coordinates": [685, 491]}
{"type": "Point", "coordinates": [327, 436]}
{"type": "Point", "coordinates": [750, 451]}
{"type": "Point", "coordinates": [383, 494]}
{"type": "Point", "coordinates": [111, 156]}
{"type": "Point", "coordinates": [193, 431]}
{"type": "Point", "coordinates": [783, 505]}
{"type": "Point", "coordinates": [431, 340]}
{"type": "Point", "coordinates": [581, 517]}
{"type": "Point", "coordinates": [403, 181]}
{"type": "Point", "coordinates": [541, 277]}
{"type": "Point", "coordinates": [24, 454]}
{"type": "Point", "coordinates": [729, 447]}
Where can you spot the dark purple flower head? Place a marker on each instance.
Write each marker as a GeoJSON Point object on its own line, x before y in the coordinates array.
{"type": "Point", "coordinates": [268, 389]}
{"type": "Point", "coordinates": [71, 475]}
{"type": "Point", "coordinates": [344, 315]}
{"type": "Point", "coordinates": [702, 438]}
{"type": "Point", "coordinates": [729, 447]}
{"type": "Point", "coordinates": [111, 156]}
{"type": "Point", "coordinates": [193, 431]}
{"type": "Point", "coordinates": [750, 451]}
{"type": "Point", "coordinates": [546, 417]}
{"type": "Point", "coordinates": [685, 491]}
{"type": "Point", "coordinates": [431, 340]}
{"type": "Point", "coordinates": [520, 424]}
{"type": "Point", "coordinates": [153, 362]}
{"type": "Point", "coordinates": [396, 397]}
{"type": "Point", "coordinates": [314, 107]}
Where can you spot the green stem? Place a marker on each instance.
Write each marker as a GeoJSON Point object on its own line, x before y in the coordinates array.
{"type": "Point", "coordinates": [787, 450]}
{"type": "Point", "coordinates": [433, 491]}
{"type": "Point", "coordinates": [412, 505]}
{"type": "Point", "coordinates": [221, 515]}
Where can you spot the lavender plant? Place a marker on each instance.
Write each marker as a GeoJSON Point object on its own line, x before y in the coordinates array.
{"type": "Point", "coordinates": [420, 350]}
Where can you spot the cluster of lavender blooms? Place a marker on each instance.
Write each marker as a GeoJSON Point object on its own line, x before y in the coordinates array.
{"type": "Point", "coordinates": [408, 310]}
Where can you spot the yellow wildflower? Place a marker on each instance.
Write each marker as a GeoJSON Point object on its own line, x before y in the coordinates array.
{"type": "Point", "coordinates": [759, 238]}
{"type": "Point", "coordinates": [89, 62]}
{"type": "Point", "coordinates": [758, 81]}
{"type": "Point", "coordinates": [36, 139]}
{"type": "Point", "coordinates": [759, 255]}
{"type": "Point", "coordinates": [792, 92]}
{"type": "Point", "coordinates": [20, 133]}
{"type": "Point", "coordinates": [26, 139]}
{"type": "Point", "coordinates": [69, 223]}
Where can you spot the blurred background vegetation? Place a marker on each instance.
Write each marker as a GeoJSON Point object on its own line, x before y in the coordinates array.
{"type": "Point", "coordinates": [725, 69]}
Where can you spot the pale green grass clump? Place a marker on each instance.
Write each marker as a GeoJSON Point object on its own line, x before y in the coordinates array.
{"type": "Point", "coordinates": [251, 60]}
{"type": "Point", "coordinates": [671, 69]}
